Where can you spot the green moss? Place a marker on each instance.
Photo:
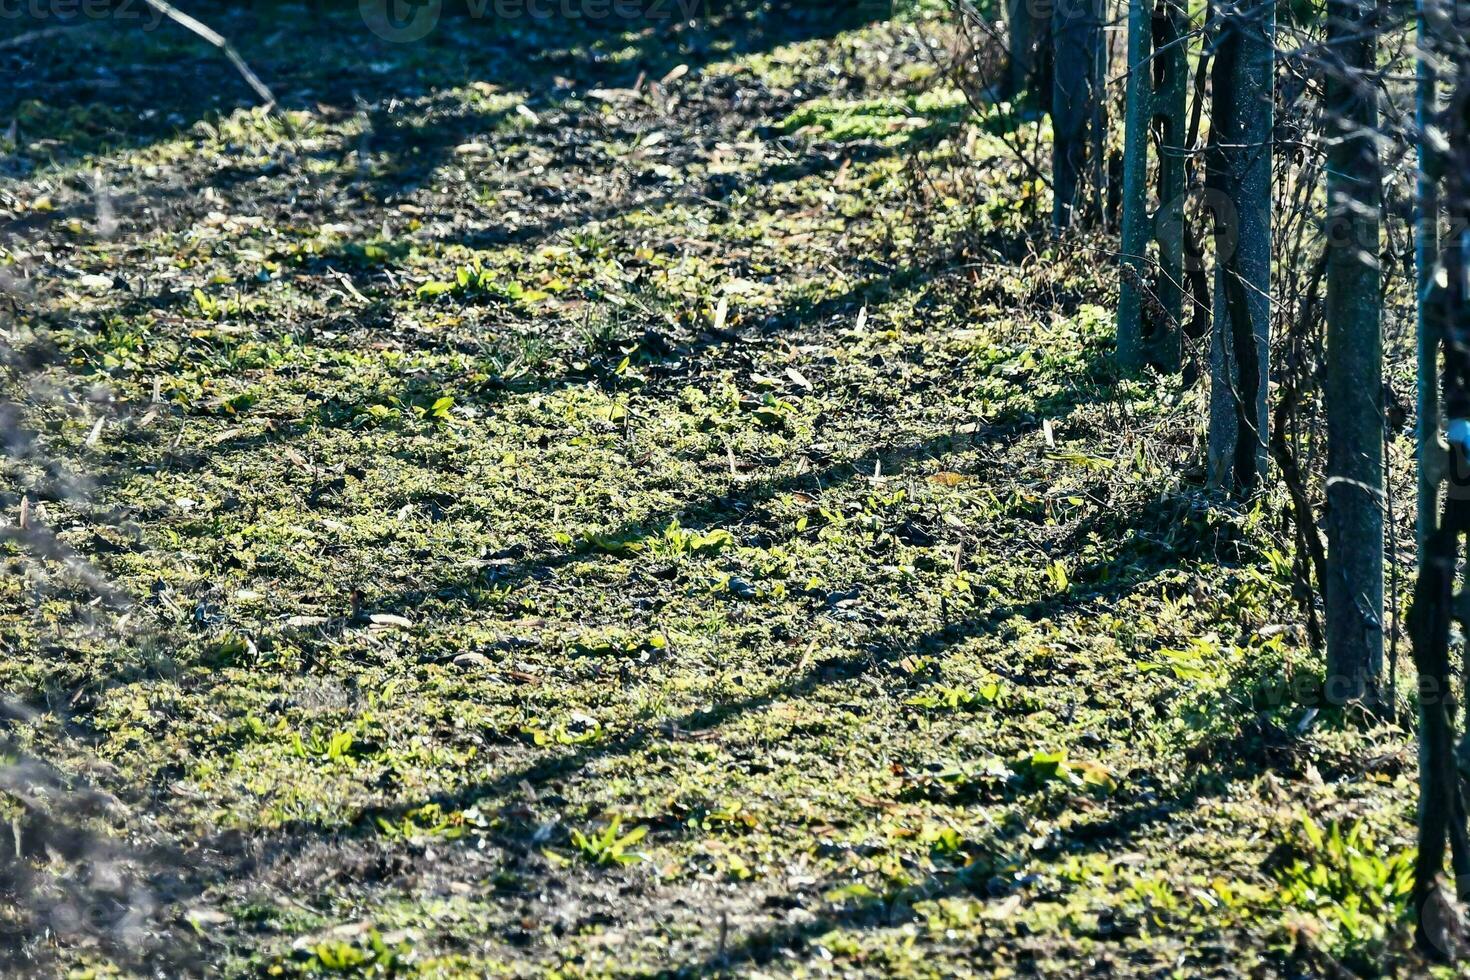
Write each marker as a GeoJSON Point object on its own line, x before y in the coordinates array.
{"type": "Point", "coordinates": [723, 500]}
{"type": "Point", "coordinates": [888, 119]}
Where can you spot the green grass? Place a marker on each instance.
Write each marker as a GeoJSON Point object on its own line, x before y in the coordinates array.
{"type": "Point", "coordinates": [889, 119]}
{"type": "Point", "coordinates": [637, 542]}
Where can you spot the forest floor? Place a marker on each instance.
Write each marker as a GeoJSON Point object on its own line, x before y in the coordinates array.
{"type": "Point", "coordinates": [606, 502]}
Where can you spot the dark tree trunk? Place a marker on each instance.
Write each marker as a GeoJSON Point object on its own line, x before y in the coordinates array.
{"type": "Point", "coordinates": [1353, 387]}
{"type": "Point", "coordinates": [1028, 71]}
{"type": "Point", "coordinates": [1079, 62]}
{"type": "Point", "coordinates": [1158, 75]}
{"type": "Point", "coordinates": [1239, 186]}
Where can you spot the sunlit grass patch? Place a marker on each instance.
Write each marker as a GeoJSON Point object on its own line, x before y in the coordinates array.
{"type": "Point", "coordinates": [889, 119]}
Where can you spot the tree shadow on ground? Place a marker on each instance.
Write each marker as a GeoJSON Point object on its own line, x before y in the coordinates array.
{"type": "Point", "coordinates": [668, 354]}
{"type": "Point", "coordinates": [178, 876]}
{"type": "Point", "coordinates": [1242, 746]}
{"type": "Point", "coordinates": [348, 69]}
{"type": "Point", "coordinates": [214, 861]}
{"type": "Point", "coordinates": [739, 500]}
{"type": "Point", "coordinates": [1248, 749]}
{"type": "Point", "coordinates": [174, 92]}
{"type": "Point", "coordinates": [750, 32]}
{"type": "Point", "coordinates": [347, 257]}
{"type": "Point", "coordinates": [231, 858]}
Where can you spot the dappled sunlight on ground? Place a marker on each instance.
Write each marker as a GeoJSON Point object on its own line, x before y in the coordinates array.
{"type": "Point", "coordinates": [627, 504]}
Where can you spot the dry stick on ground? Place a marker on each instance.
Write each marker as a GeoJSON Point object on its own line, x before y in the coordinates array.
{"type": "Point", "coordinates": [211, 36]}
{"type": "Point", "coordinates": [21, 40]}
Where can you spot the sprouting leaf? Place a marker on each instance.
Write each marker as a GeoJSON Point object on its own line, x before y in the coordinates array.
{"type": "Point", "coordinates": [855, 891]}
{"type": "Point", "coordinates": [433, 288]}
{"type": "Point", "coordinates": [1056, 573]}
{"type": "Point", "coordinates": [1048, 764]}
{"type": "Point", "coordinates": [1313, 832]}
{"type": "Point", "coordinates": [1095, 775]}
{"type": "Point", "coordinates": [610, 845]}
{"type": "Point", "coordinates": [1080, 459]}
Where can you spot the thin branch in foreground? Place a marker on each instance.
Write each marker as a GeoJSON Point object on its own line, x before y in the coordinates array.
{"type": "Point", "coordinates": [210, 35]}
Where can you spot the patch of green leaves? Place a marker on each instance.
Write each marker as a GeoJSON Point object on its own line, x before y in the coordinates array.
{"type": "Point", "coordinates": [371, 955]}
{"type": "Point", "coordinates": [475, 282]}
{"type": "Point", "coordinates": [945, 698]}
{"type": "Point", "coordinates": [1356, 887]}
{"type": "Point", "coordinates": [892, 120]}
{"type": "Point", "coordinates": [609, 846]}
{"type": "Point", "coordinates": [1044, 767]}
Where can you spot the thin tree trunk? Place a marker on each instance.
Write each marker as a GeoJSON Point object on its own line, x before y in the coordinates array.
{"type": "Point", "coordinates": [1136, 115]}
{"type": "Point", "coordinates": [1028, 69]}
{"type": "Point", "coordinates": [1239, 185]}
{"type": "Point", "coordinates": [1148, 321]}
{"type": "Point", "coordinates": [1426, 256]}
{"type": "Point", "coordinates": [1442, 811]}
{"type": "Point", "coordinates": [1353, 387]}
{"type": "Point", "coordinates": [1077, 67]}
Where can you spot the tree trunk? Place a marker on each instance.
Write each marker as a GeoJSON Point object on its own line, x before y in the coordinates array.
{"type": "Point", "coordinates": [1426, 255]}
{"type": "Point", "coordinates": [1028, 70]}
{"type": "Point", "coordinates": [1353, 388]}
{"type": "Point", "coordinates": [1158, 69]}
{"type": "Point", "coordinates": [1442, 810]}
{"type": "Point", "coordinates": [1076, 104]}
{"type": "Point", "coordinates": [1239, 186]}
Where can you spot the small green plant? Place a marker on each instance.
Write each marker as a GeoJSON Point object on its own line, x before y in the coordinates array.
{"type": "Point", "coordinates": [1045, 767]}
{"type": "Point", "coordinates": [216, 309]}
{"type": "Point", "coordinates": [474, 281]}
{"type": "Point", "coordinates": [1356, 888]}
{"type": "Point", "coordinates": [437, 412]}
{"type": "Point", "coordinates": [1190, 664]}
{"type": "Point", "coordinates": [681, 541]}
{"type": "Point", "coordinates": [947, 846]}
{"type": "Point", "coordinates": [335, 747]}
{"type": "Point", "coordinates": [887, 119]}
{"type": "Point", "coordinates": [371, 955]}
{"type": "Point", "coordinates": [431, 820]}
{"type": "Point", "coordinates": [123, 344]}
{"type": "Point", "coordinates": [581, 730]}
{"type": "Point", "coordinates": [943, 698]}
{"type": "Point", "coordinates": [610, 846]}
{"type": "Point", "coordinates": [342, 746]}
{"type": "Point", "coordinates": [673, 542]}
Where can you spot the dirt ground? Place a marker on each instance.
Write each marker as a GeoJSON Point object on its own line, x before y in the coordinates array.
{"type": "Point", "coordinates": [621, 498]}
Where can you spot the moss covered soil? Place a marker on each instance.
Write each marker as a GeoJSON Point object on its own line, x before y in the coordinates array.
{"type": "Point", "coordinates": [640, 501]}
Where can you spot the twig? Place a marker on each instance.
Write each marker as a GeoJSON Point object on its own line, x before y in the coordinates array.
{"type": "Point", "coordinates": [21, 40]}
{"type": "Point", "coordinates": [211, 36]}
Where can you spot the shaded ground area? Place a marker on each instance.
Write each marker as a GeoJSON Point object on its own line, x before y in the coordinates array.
{"type": "Point", "coordinates": [640, 501]}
